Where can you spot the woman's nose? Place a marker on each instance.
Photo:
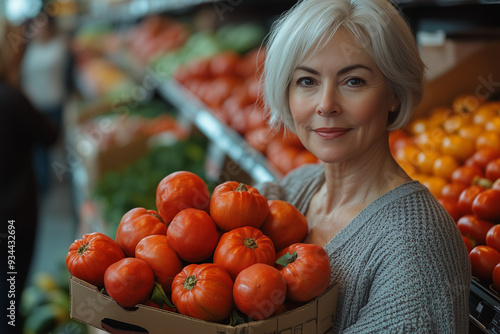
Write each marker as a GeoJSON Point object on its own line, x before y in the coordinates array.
{"type": "Point", "coordinates": [328, 102]}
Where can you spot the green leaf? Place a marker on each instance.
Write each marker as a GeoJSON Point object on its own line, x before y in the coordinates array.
{"type": "Point", "coordinates": [159, 297]}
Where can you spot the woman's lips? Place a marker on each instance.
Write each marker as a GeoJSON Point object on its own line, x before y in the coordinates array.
{"type": "Point", "coordinates": [331, 133]}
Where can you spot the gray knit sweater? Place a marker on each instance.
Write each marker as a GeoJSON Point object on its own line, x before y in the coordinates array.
{"type": "Point", "coordinates": [401, 264]}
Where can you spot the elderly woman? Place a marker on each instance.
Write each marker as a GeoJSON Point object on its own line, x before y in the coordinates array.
{"type": "Point", "coordinates": [341, 74]}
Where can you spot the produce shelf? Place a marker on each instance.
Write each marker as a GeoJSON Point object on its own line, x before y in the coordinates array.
{"type": "Point", "coordinates": [225, 138]}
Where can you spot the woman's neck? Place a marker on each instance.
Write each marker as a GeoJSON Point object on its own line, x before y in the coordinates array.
{"type": "Point", "coordinates": [362, 179]}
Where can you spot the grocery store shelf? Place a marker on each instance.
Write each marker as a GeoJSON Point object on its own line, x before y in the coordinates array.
{"type": "Point", "coordinates": [227, 140]}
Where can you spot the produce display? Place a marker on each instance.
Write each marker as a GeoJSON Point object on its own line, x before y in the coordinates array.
{"type": "Point", "coordinates": [455, 152]}
{"type": "Point", "coordinates": [204, 255]}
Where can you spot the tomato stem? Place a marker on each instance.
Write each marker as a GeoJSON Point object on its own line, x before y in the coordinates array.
{"type": "Point", "coordinates": [83, 248]}
{"type": "Point", "coordinates": [286, 259]}
{"type": "Point", "coordinates": [250, 243]}
{"type": "Point", "coordinates": [190, 282]}
{"type": "Point", "coordinates": [241, 187]}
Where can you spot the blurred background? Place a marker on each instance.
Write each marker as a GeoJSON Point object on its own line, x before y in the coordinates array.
{"type": "Point", "coordinates": [103, 98]}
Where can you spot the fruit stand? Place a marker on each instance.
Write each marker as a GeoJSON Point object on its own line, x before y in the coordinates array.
{"type": "Point", "coordinates": [201, 90]}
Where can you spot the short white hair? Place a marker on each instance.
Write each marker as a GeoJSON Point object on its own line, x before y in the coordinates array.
{"type": "Point", "coordinates": [376, 24]}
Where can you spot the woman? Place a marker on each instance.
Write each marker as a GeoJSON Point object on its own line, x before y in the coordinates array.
{"type": "Point", "coordinates": [21, 127]}
{"type": "Point", "coordinates": [341, 74]}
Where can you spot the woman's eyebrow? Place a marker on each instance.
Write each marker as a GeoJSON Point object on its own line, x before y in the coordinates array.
{"type": "Point", "coordinates": [341, 71]}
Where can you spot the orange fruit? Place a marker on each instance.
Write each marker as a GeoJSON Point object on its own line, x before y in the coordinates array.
{"type": "Point", "coordinates": [471, 131]}
{"type": "Point", "coordinates": [444, 166]}
{"type": "Point", "coordinates": [437, 116]}
{"type": "Point", "coordinates": [418, 125]}
{"type": "Point", "coordinates": [435, 185]}
{"type": "Point", "coordinates": [456, 122]}
{"type": "Point", "coordinates": [430, 140]}
{"type": "Point", "coordinates": [493, 124]}
{"type": "Point", "coordinates": [466, 103]}
{"type": "Point", "coordinates": [408, 155]}
{"type": "Point", "coordinates": [485, 113]}
{"type": "Point", "coordinates": [425, 161]}
{"type": "Point", "coordinates": [459, 147]}
{"type": "Point", "coordinates": [488, 139]}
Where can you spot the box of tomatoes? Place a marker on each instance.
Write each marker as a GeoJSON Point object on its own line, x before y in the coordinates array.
{"type": "Point", "coordinates": [230, 261]}
{"type": "Point", "coordinates": [96, 309]}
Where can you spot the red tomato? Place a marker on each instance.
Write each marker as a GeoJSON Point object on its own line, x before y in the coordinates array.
{"type": "Point", "coordinates": [483, 156]}
{"type": "Point", "coordinates": [89, 257]}
{"type": "Point", "coordinates": [242, 247]}
{"type": "Point", "coordinates": [203, 291]}
{"type": "Point", "coordinates": [483, 260]}
{"type": "Point", "coordinates": [475, 228]}
{"type": "Point", "coordinates": [492, 170]}
{"type": "Point", "coordinates": [224, 63]}
{"type": "Point", "coordinates": [156, 252]}
{"type": "Point", "coordinates": [235, 205]}
{"type": "Point", "coordinates": [467, 197]}
{"type": "Point", "coordinates": [453, 190]}
{"type": "Point", "coordinates": [493, 237]}
{"type": "Point", "coordinates": [136, 224]}
{"type": "Point", "coordinates": [259, 291]}
{"type": "Point", "coordinates": [486, 205]}
{"type": "Point", "coordinates": [178, 191]}
{"type": "Point", "coordinates": [285, 224]}
{"type": "Point", "coordinates": [451, 206]}
{"type": "Point", "coordinates": [306, 269]}
{"type": "Point", "coordinates": [193, 235]}
{"type": "Point", "coordinates": [129, 281]}
{"type": "Point", "coordinates": [496, 184]}
{"type": "Point", "coordinates": [466, 174]}
{"type": "Point", "coordinates": [496, 277]}
{"type": "Point", "coordinates": [468, 243]}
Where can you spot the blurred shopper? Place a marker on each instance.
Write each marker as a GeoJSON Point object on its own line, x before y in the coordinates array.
{"type": "Point", "coordinates": [21, 127]}
{"type": "Point", "coordinates": [44, 79]}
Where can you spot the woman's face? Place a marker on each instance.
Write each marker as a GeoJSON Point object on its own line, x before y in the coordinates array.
{"type": "Point", "coordinates": [339, 100]}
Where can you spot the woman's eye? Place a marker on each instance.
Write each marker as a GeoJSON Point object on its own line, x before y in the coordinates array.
{"type": "Point", "coordinates": [355, 82]}
{"type": "Point", "coordinates": [305, 82]}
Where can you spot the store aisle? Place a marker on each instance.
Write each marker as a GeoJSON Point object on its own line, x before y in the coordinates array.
{"type": "Point", "coordinates": [57, 225]}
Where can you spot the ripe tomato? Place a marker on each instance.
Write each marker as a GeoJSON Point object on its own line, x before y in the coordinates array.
{"type": "Point", "coordinates": [156, 252]}
{"type": "Point", "coordinates": [468, 243]}
{"type": "Point", "coordinates": [493, 237]}
{"type": "Point", "coordinates": [193, 235]}
{"type": "Point", "coordinates": [483, 260]}
{"type": "Point", "coordinates": [285, 224]}
{"type": "Point", "coordinates": [451, 206]}
{"type": "Point", "coordinates": [235, 205]}
{"type": "Point", "coordinates": [496, 277]}
{"type": "Point", "coordinates": [203, 291]}
{"type": "Point", "coordinates": [475, 228]}
{"type": "Point", "coordinates": [178, 191]}
{"type": "Point", "coordinates": [136, 224]}
{"type": "Point", "coordinates": [242, 247]}
{"type": "Point", "coordinates": [467, 197]}
{"type": "Point", "coordinates": [459, 147]}
{"type": "Point", "coordinates": [453, 190]}
{"type": "Point", "coordinates": [486, 205]}
{"type": "Point", "coordinates": [492, 170]}
{"type": "Point", "coordinates": [129, 281]}
{"type": "Point", "coordinates": [89, 257]}
{"type": "Point", "coordinates": [466, 174]}
{"type": "Point", "coordinates": [483, 157]}
{"type": "Point", "coordinates": [259, 291]}
{"type": "Point", "coordinates": [306, 269]}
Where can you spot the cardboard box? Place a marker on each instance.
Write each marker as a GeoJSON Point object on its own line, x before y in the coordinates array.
{"type": "Point", "coordinates": [474, 72]}
{"type": "Point", "coordinates": [91, 307]}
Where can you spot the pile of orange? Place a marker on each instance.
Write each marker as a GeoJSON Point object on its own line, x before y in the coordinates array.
{"type": "Point", "coordinates": [451, 146]}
